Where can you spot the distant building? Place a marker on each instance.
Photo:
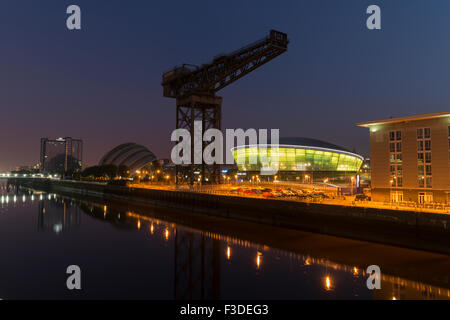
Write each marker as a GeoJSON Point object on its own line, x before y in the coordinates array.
{"type": "Point", "coordinates": [61, 156]}
{"type": "Point", "coordinates": [410, 158]}
{"type": "Point", "coordinates": [130, 155]}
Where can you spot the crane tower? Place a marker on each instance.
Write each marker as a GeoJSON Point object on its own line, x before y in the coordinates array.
{"type": "Point", "coordinates": [194, 89]}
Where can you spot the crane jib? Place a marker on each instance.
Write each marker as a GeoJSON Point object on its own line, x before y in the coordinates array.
{"type": "Point", "coordinates": [224, 69]}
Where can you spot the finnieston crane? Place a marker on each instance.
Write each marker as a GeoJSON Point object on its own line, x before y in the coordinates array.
{"type": "Point", "coordinates": [194, 89]}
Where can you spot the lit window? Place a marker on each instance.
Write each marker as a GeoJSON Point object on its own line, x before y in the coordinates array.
{"type": "Point", "coordinates": [421, 182]}
{"type": "Point", "coordinates": [420, 170]}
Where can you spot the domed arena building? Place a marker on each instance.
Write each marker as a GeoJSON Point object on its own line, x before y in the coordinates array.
{"type": "Point", "coordinates": [300, 159]}
{"type": "Point", "coordinates": [131, 155]}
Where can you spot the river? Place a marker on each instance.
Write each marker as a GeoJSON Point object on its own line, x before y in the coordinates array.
{"type": "Point", "coordinates": [126, 251]}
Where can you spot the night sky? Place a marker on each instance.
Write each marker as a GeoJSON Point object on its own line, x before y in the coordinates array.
{"type": "Point", "coordinates": [102, 84]}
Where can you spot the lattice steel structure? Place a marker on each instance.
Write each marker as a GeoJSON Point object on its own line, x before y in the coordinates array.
{"type": "Point", "coordinates": [195, 90]}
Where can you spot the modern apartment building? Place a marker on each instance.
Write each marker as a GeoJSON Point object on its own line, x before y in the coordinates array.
{"type": "Point", "coordinates": [410, 158]}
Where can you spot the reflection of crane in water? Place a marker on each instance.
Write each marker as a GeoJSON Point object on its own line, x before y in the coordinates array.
{"type": "Point", "coordinates": [197, 266]}
{"type": "Point", "coordinates": [196, 256]}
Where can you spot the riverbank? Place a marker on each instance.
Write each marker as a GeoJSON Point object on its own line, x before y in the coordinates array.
{"type": "Point", "coordinates": [417, 230]}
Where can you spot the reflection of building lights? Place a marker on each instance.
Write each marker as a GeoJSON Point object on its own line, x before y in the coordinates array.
{"type": "Point", "coordinates": [355, 271]}
{"type": "Point", "coordinates": [328, 283]}
{"type": "Point", "coordinates": [139, 224]}
{"type": "Point", "coordinates": [105, 208]}
{"type": "Point", "coordinates": [166, 234]}
{"type": "Point", "coordinates": [258, 260]}
{"type": "Point", "coordinates": [228, 252]}
{"type": "Point", "coordinates": [152, 229]}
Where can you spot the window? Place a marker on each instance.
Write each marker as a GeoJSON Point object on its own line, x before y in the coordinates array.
{"type": "Point", "coordinates": [424, 144]}
{"type": "Point", "coordinates": [420, 133]}
{"type": "Point", "coordinates": [420, 171]}
{"type": "Point", "coordinates": [419, 145]}
{"type": "Point", "coordinates": [391, 136]}
{"type": "Point", "coordinates": [420, 157]}
{"type": "Point", "coordinates": [421, 182]}
{"type": "Point", "coordinates": [429, 182]}
{"type": "Point", "coordinates": [425, 197]}
{"type": "Point", "coordinates": [393, 182]}
{"type": "Point", "coordinates": [392, 147]}
{"type": "Point", "coordinates": [395, 149]}
{"type": "Point", "coordinates": [397, 196]}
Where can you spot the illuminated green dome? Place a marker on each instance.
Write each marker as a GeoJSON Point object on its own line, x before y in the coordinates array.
{"type": "Point", "coordinates": [297, 155]}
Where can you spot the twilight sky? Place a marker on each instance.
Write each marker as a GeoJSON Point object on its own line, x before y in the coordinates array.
{"type": "Point", "coordinates": [102, 84]}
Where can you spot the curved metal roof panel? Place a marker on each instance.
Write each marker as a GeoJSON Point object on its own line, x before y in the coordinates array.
{"type": "Point", "coordinates": [132, 155]}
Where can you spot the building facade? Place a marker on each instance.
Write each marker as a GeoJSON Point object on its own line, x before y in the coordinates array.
{"type": "Point", "coordinates": [61, 156]}
{"type": "Point", "coordinates": [410, 158]}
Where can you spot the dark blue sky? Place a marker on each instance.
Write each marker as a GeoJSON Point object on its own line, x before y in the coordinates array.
{"type": "Point", "coordinates": [103, 83]}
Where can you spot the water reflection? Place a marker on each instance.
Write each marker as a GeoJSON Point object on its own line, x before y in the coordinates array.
{"type": "Point", "coordinates": [197, 265]}
{"type": "Point", "coordinates": [57, 216]}
{"type": "Point", "coordinates": [209, 264]}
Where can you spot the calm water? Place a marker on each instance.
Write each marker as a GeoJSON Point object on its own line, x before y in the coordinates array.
{"type": "Point", "coordinates": [127, 252]}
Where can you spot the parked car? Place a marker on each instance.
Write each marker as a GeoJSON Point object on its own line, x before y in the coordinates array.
{"type": "Point", "coordinates": [362, 197]}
